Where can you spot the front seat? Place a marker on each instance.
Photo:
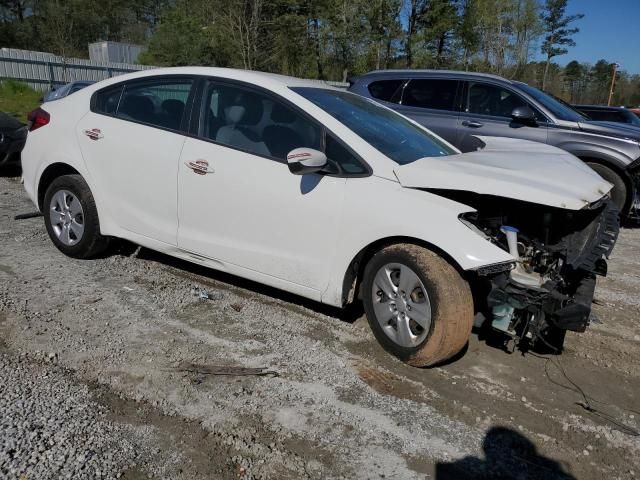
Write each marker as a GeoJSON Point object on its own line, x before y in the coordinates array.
{"type": "Point", "coordinates": [234, 135]}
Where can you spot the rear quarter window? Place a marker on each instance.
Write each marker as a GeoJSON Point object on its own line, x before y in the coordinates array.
{"type": "Point", "coordinates": [436, 94]}
{"type": "Point", "coordinates": [106, 101]}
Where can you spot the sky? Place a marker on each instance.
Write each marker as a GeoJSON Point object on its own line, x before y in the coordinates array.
{"type": "Point", "coordinates": [610, 29]}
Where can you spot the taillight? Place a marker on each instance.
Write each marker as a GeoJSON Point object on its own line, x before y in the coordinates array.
{"type": "Point", "coordinates": [38, 118]}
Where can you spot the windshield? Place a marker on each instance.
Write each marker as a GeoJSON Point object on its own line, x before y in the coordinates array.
{"type": "Point", "coordinates": [560, 109]}
{"type": "Point", "coordinates": [390, 133]}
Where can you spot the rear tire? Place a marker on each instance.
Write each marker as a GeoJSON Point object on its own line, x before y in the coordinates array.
{"type": "Point", "coordinates": [71, 218]}
{"type": "Point", "coordinates": [619, 191]}
{"type": "Point", "coordinates": [446, 299]}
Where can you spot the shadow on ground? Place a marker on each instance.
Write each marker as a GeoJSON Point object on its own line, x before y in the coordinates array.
{"type": "Point", "coordinates": [507, 455]}
{"type": "Point", "coordinates": [206, 275]}
{"type": "Point", "coordinates": [8, 171]}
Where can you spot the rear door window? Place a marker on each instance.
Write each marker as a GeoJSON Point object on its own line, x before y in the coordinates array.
{"type": "Point", "coordinates": [160, 103]}
{"type": "Point", "coordinates": [387, 90]}
{"type": "Point", "coordinates": [433, 93]}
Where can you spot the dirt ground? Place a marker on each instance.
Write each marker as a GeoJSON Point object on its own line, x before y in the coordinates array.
{"type": "Point", "coordinates": [132, 325]}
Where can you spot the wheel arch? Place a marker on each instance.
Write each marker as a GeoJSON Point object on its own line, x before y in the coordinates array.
{"type": "Point", "coordinates": [49, 174]}
{"type": "Point", "coordinates": [617, 169]}
{"type": "Point", "coordinates": [352, 277]}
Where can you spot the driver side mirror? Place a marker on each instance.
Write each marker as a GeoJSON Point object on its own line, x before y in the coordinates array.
{"type": "Point", "coordinates": [523, 115]}
{"type": "Point", "coordinates": [302, 161]}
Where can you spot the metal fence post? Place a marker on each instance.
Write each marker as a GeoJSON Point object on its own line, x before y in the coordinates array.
{"type": "Point", "coordinates": [51, 76]}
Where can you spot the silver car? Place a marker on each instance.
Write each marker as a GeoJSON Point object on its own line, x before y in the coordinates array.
{"type": "Point", "coordinates": [460, 106]}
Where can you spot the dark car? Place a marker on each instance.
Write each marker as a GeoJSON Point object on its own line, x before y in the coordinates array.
{"type": "Point", "coordinates": [13, 134]}
{"type": "Point", "coordinates": [601, 113]}
{"type": "Point", "coordinates": [462, 106]}
{"type": "Point", "coordinates": [66, 90]}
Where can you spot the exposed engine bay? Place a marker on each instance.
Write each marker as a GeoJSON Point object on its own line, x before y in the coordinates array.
{"type": "Point", "coordinates": [549, 288]}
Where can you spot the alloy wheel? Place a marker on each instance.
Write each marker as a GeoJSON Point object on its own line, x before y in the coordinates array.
{"type": "Point", "coordinates": [401, 304]}
{"type": "Point", "coordinates": [67, 217]}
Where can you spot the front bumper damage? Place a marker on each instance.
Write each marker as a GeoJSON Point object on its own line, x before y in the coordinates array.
{"type": "Point", "coordinates": [634, 211]}
{"type": "Point", "coordinates": [528, 313]}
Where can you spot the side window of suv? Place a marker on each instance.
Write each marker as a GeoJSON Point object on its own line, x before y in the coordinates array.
{"type": "Point", "coordinates": [160, 103]}
{"type": "Point", "coordinates": [487, 99]}
{"type": "Point", "coordinates": [431, 93]}
{"type": "Point", "coordinates": [254, 122]}
{"type": "Point", "coordinates": [387, 90]}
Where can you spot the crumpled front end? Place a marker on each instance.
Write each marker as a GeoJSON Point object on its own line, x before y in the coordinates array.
{"type": "Point", "coordinates": [559, 253]}
{"type": "Point", "coordinates": [634, 172]}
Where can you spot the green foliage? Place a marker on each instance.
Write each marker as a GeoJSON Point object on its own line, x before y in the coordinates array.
{"type": "Point", "coordinates": [18, 99]}
{"type": "Point", "coordinates": [557, 31]}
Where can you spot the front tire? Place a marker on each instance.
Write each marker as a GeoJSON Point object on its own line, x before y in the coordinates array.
{"type": "Point", "coordinates": [619, 191]}
{"type": "Point", "coordinates": [71, 218]}
{"type": "Point", "coordinates": [418, 306]}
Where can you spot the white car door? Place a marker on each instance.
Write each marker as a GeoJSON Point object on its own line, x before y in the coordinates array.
{"type": "Point", "coordinates": [131, 142]}
{"type": "Point", "coordinates": [241, 207]}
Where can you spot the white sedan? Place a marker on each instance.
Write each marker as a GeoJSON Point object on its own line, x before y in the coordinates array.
{"type": "Point", "coordinates": [330, 196]}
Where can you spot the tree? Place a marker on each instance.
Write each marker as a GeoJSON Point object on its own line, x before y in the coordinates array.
{"type": "Point", "coordinates": [189, 34]}
{"type": "Point", "coordinates": [527, 28]}
{"type": "Point", "coordinates": [557, 32]}
{"type": "Point", "coordinates": [574, 75]}
{"type": "Point", "coordinates": [415, 13]}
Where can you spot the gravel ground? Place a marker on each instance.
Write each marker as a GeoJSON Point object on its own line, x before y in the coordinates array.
{"type": "Point", "coordinates": [131, 338]}
{"type": "Point", "coordinates": [50, 428]}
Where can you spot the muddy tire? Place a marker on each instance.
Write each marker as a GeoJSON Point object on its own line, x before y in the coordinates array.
{"type": "Point", "coordinates": [418, 306]}
{"type": "Point", "coordinates": [71, 218]}
{"type": "Point", "coordinates": [619, 190]}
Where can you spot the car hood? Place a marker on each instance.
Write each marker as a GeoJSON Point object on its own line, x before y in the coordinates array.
{"type": "Point", "coordinates": [614, 129]}
{"type": "Point", "coordinates": [510, 168]}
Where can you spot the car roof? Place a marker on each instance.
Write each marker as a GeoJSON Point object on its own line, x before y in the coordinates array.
{"type": "Point", "coordinates": [414, 73]}
{"type": "Point", "coordinates": [264, 79]}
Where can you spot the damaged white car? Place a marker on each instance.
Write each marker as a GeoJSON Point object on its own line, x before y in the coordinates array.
{"type": "Point", "coordinates": [330, 196]}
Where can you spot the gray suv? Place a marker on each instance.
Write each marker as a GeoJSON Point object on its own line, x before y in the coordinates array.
{"type": "Point", "coordinates": [459, 106]}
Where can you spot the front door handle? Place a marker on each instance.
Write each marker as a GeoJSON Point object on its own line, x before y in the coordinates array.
{"type": "Point", "coordinates": [472, 124]}
{"type": "Point", "coordinates": [200, 166]}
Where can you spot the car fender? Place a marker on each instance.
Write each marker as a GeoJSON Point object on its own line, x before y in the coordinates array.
{"type": "Point", "coordinates": [604, 153]}
{"type": "Point", "coordinates": [376, 209]}
{"type": "Point", "coordinates": [38, 156]}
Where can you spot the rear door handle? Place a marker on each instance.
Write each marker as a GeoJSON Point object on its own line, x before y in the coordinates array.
{"type": "Point", "coordinates": [201, 167]}
{"type": "Point", "coordinates": [472, 124]}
